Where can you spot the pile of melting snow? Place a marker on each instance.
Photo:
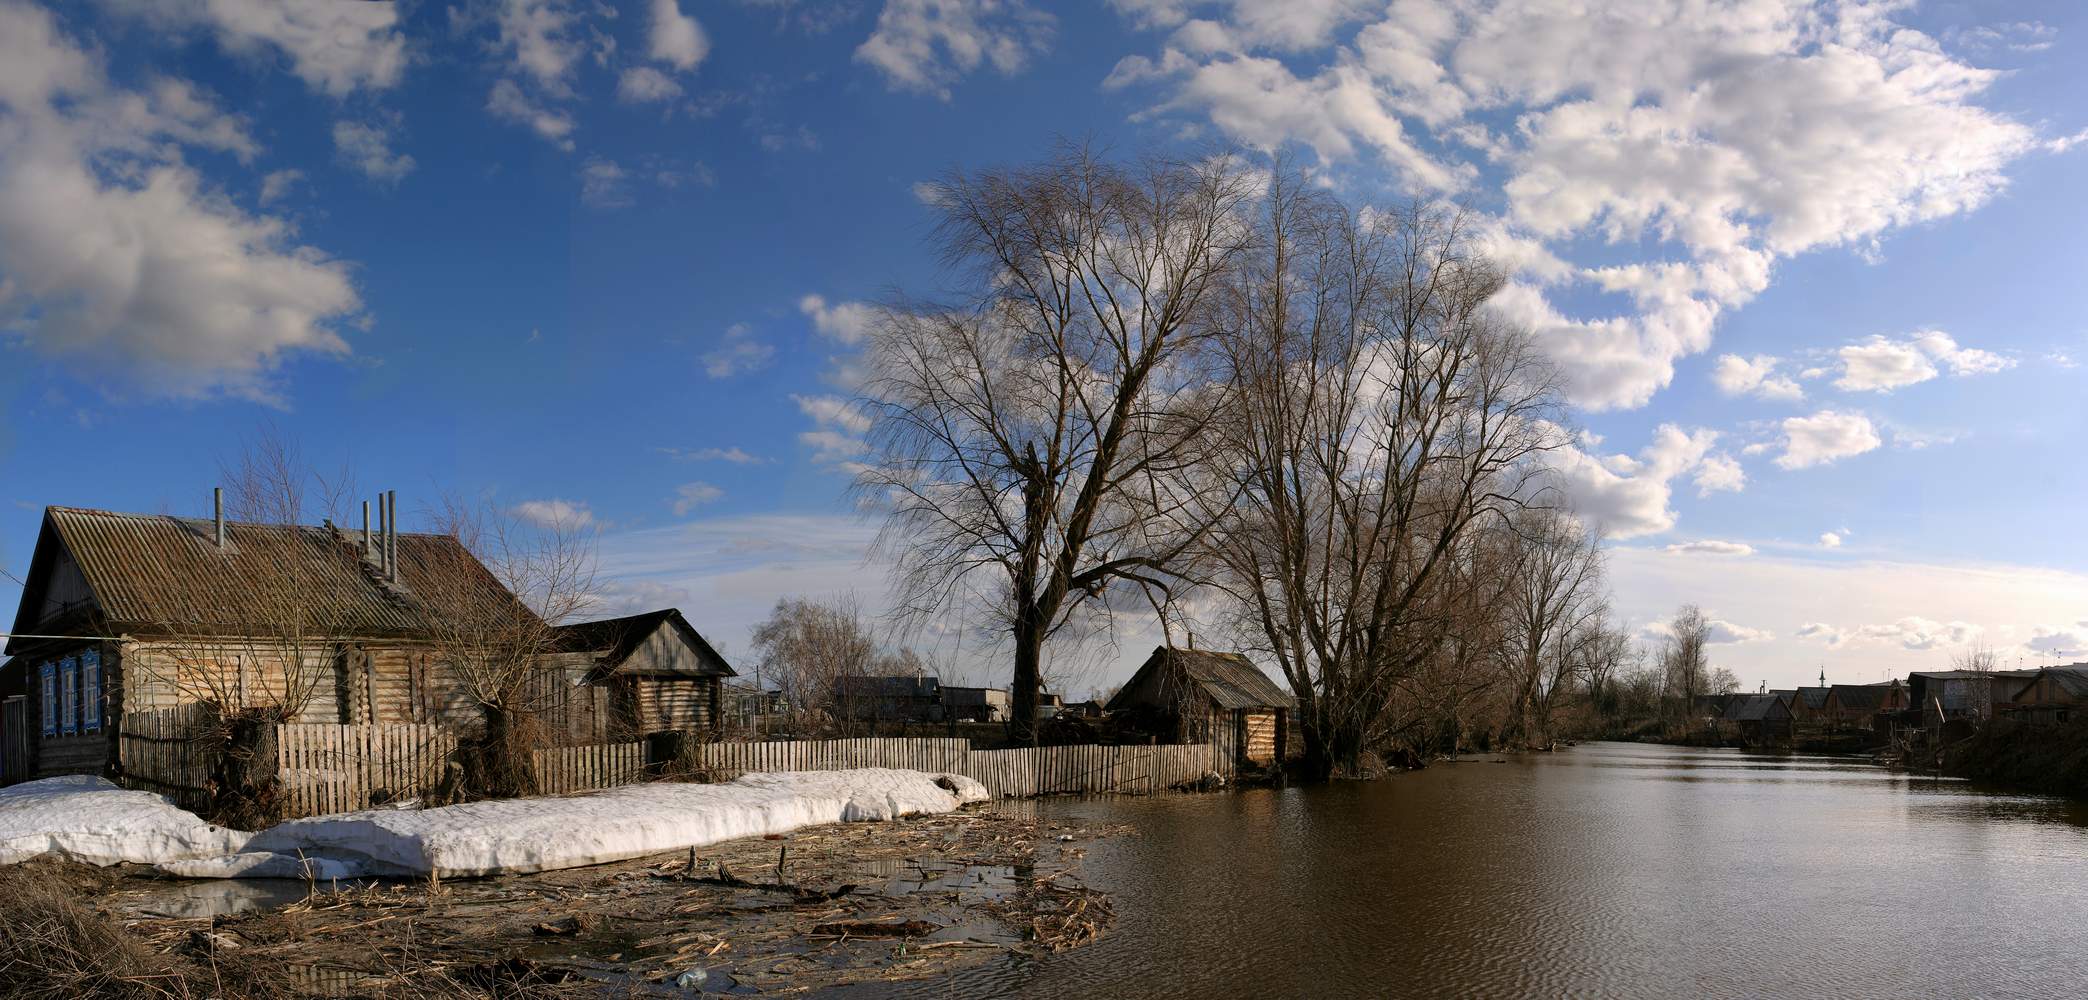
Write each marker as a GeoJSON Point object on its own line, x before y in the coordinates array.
{"type": "Point", "coordinates": [541, 834]}
{"type": "Point", "coordinates": [89, 819]}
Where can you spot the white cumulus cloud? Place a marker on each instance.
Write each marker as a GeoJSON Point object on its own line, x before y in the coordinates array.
{"type": "Point", "coordinates": [1756, 376]}
{"type": "Point", "coordinates": [1825, 437]}
{"type": "Point", "coordinates": [119, 259]}
{"type": "Point", "coordinates": [1628, 496]}
{"type": "Point", "coordinates": [1712, 547]}
{"type": "Point", "coordinates": [926, 45]}
{"type": "Point", "coordinates": [333, 47]}
{"type": "Point", "coordinates": [1881, 364]}
{"type": "Point", "coordinates": [843, 322]}
{"type": "Point", "coordinates": [1721, 138]}
{"type": "Point", "coordinates": [367, 148]}
{"type": "Point", "coordinates": [677, 39]}
{"type": "Point", "coordinates": [554, 513]}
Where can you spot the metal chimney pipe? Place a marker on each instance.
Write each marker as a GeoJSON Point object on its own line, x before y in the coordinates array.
{"type": "Point", "coordinates": [366, 527]}
{"type": "Point", "coordinates": [217, 512]}
{"type": "Point", "coordinates": [378, 552]}
{"type": "Point", "coordinates": [391, 504]}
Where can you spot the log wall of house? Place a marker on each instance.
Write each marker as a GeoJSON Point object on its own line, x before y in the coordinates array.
{"type": "Point", "coordinates": [391, 683]}
{"type": "Point", "coordinates": [158, 674]}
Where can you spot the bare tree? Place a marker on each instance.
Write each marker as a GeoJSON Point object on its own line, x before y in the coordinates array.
{"type": "Point", "coordinates": [1379, 413]}
{"type": "Point", "coordinates": [1979, 658]}
{"type": "Point", "coordinates": [1684, 658]}
{"type": "Point", "coordinates": [492, 605]}
{"type": "Point", "coordinates": [1555, 612]}
{"type": "Point", "coordinates": [1031, 437]}
{"type": "Point", "coordinates": [805, 646]}
{"type": "Point", "coordinates": [266, 640]}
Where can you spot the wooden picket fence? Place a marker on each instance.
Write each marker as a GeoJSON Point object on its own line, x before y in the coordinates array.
{"type": "Point", "coordinates": [326, 768]}
{"type": "Point", "coordinates": [577, 769]}
{"type": "Point", "coordinates": [156, 750]}
{"type": "Point", "coordinates": [1084, 769]}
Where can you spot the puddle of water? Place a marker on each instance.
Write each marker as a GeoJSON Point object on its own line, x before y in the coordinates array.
{"type": "Point", "coordinates": [220, 897]}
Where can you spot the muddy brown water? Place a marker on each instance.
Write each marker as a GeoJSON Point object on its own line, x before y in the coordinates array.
{"type": "Point", "coordinates": [1608, 870]}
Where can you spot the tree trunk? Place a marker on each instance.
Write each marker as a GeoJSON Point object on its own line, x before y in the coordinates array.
{"type": "Point", "coordinates": [503, 763]}
{"type": "Point", "coordinates": [1029, 652]}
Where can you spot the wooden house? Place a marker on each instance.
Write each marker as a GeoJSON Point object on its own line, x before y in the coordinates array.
{"type": "Point", "coordinates": [1196, 695]}
{"type": "Point", "coordinates": [866, 698]}
{"type": "Point", "coordinates": [2053, 695]}
{"type": "Point", "coordinates": [1859, 706]}
{"type": "Point", "coordinates": [977, 704]}
{"type": "Point", "coordinates": [1943, 695]}
{"type": "Point", "coordinates": [129, 612]}
{"type": "Point", "coordinates": [656, 671]}
{"type": "Point", "coordinates": [1809, 706]}
{"type": "Point", "coordinates": [1761, 718]}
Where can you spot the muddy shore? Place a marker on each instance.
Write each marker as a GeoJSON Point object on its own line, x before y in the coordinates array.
{"type": "Point", "coordinates": [818, 908]}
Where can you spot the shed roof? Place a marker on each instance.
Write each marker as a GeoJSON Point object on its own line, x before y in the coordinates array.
{"type": "Point", "coordinates": [1813, 697]}
{"type": "Point", "coordinates": [1858, 695]}
{"type": "Point", "coordinates": [866, 686]}
{"type": "Point", "coordinates": [150, 572]}
{"type": "Point", "coordinates": [1754, 708]}
{"type": "Point", "coordinates": [2072, 680]}
{"type": "Point", "coordinates": [1231, 680]}
{"type": "Point", "coordinates": [613, 640]}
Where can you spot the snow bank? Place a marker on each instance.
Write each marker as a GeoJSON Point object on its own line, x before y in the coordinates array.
{"type": "Point", "coordinates": [89, 819]}
{"type": "Point", "coordinates": [528, 835]}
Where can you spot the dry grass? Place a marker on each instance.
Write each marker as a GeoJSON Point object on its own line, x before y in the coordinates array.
{"type": "Point", "coordinates": [53, 946]}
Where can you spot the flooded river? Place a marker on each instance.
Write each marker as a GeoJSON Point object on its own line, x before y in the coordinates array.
{"type": "Point", "coordinates": [1608, 870]}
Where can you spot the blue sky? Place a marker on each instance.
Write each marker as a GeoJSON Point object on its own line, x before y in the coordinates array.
{"type": "Point", "coordinates": [1813, 269]}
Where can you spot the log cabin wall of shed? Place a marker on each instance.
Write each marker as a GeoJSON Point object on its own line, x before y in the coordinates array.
{"type": "Point", "coordinates": [675, 703]}
{"type": "Point", "coordinates": [1261, 736]}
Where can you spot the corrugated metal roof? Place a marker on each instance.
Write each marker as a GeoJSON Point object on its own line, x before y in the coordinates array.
{"type": "Point", "coordinates": [1813, 697]}
{"type": "Point", "coordinates": [155, 572]}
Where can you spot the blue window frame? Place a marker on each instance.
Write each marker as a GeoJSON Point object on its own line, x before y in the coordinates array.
{"type": "Point", "coordinates": [90, 690]}
{"type": "Point", "coordinates": [69, 691]}
{"type": "Point", "coordinates": [50, 699]}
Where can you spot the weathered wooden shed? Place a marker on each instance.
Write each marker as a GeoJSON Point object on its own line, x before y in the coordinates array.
{"type": "Point", "coordinates": [1761, 718]}
{"type": "Point", "coordinates": [1809, 705]}
{"type": "Point", "coordinates": [2054, 695]}
{"type": "Point", "coordinates": [129, 612]}
{"type": "Point", "coordinates": [658, 671]}
{"type": "Point", "coordinates": [1198, 695]}
{"type": "Point", "coordinates": [1860, 705]}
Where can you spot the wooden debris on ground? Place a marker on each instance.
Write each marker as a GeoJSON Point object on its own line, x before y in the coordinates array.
{"type": "Point", "coordinates": [841, 904]}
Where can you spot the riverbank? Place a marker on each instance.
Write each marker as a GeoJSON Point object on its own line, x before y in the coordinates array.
{"type": "Point", "coordinates": [2048, 759]}
{"type": "Point", "coordinates": [820, 907]}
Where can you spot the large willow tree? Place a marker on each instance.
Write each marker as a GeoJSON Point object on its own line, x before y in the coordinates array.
{"type": "Point", "coordinates": [1377, 417]}
{"type": "Point", "coordinates": [1035, 430]}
